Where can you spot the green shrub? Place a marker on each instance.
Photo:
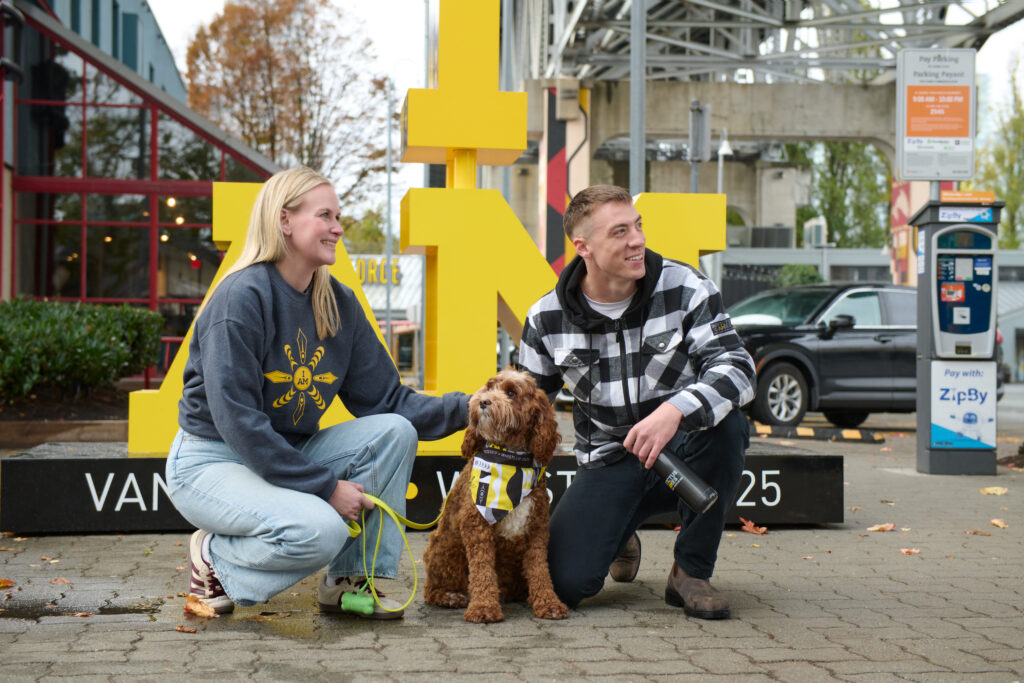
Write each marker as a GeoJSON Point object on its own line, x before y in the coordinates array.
{"type": "Point", "coordinates": [72, 347]}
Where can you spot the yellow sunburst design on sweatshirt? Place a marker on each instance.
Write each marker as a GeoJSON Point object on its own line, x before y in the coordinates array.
{"type": "Point", "coordinates": [301, 377]}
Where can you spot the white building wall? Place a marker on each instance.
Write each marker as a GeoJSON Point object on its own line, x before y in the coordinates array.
{"type": "Point", "coordinates": [154, 60]}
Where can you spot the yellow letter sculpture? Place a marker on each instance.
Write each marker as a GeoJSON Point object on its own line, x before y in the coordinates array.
{"type": "Point", "coordinates": [481, 265]}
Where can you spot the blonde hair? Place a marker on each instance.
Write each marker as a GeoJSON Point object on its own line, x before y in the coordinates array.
{"type": "Point", "coordinates": [586, 201]}
{"type": "Point", "coordinates": [264, 240]}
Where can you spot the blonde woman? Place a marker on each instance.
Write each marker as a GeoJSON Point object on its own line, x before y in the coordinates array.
{"type": "Point", "coordinates": [277, 340]}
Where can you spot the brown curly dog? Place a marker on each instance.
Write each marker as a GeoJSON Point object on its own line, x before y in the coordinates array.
{"type": "Point", "coordinates": [484, 550]}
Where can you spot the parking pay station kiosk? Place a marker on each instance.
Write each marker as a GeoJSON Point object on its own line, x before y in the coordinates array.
{"type": "Point", "coordinates": [956, 332]}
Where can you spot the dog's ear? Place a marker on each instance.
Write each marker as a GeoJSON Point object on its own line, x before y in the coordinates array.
{"type": "Point", "coordinates": [545, 436]}
{"type": "Point", "coordinates": [471, 443]}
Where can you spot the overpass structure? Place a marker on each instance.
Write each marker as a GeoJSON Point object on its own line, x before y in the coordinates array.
{"type": "Point", "coordinates": [772, 71]}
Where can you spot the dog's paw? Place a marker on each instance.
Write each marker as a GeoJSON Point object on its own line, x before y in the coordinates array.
{"type": "Point", "coordinates": [550, 609]}
{"type": "Point", "coordinates": [483, 614]}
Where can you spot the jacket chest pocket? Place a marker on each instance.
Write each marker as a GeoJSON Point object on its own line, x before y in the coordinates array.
{"type": "Point", "coordinates": [579, 370]}
{"type": "Point", "coordinates": [665, 360]}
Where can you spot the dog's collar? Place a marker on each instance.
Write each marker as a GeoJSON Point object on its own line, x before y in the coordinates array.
{"type": "Point", "coordinates": [501, 478]}
{"type": "Point", "coordinates": [492, 452]}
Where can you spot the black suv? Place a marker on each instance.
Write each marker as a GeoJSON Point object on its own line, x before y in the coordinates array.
{"type": "Point", "coordinates": [845, 348]}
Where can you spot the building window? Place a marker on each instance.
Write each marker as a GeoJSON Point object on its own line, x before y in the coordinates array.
{"type": "Point", "coordinates": [94, 16]}
{"type": "Point", "coordinates": [112, 191]}
{"type": "Point", "coordinates": [76, 16]}
{"type": "Point", "coordinates": [115, 30]}
{"type": "Point", "coordinates": [130, 41]}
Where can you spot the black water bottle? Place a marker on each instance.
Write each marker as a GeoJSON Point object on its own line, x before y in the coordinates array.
{"type": "Point", "coordinates": [685, 483]}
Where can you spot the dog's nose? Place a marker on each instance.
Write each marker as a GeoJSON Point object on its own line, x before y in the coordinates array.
{"type": "Point", "coordinates": [486, 403]}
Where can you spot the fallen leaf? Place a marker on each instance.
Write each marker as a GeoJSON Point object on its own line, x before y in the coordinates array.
{"type": "Point", "coordinates": [976, 532]}
{"type": "Point", "coordinates": [79, 614]}
{"type": "Point", "coordinates": [752, 528]}
{"type": "Point", "coordinates": [882, 527]}
{"type": "Point", "coordinates": [60, 579]}
{"type": "Point", "coordinates": [182, 595]}
{"type": "Point", "coordinates": [855, 508]}
{"type": "Point", "coordinates": [185, 629]}
{"type": "Point", "coordinates": [45, 559]}
{"type": "Point", "coordinates": [754, 545]}
{"type": "Point", "coordinates": [910, 551]}
{"type": "Point", "coordinates": [7, 583]}
{"type": "Point", "coordinates": [3, 547]}
{"type": "Point", "coordinates": [199, 608]}
{"type": "Point", "coordinates": [178, 544]}
{"type": "Point", "coordinates": [807, 557]}
{"type": "Point", "coordinates": [887, 502]}
{"type": "Point", "coordinates": [180, 568]}
{"type": "Point", "coordinates": [885, 449]}
{"type": "Point", "coordinates": [54, 561]}
{"type": "Point", "coordinates": [20, 538]}
{"type": "Point", "coordinates": [993, 491]}
{"type": "Point", "coordinates": [7, 533]}
{"type": "Point", "coordinates": [998, 523]}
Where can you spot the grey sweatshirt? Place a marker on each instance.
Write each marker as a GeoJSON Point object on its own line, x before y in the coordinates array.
{"type": "Point", "coordinates": [259, 379]}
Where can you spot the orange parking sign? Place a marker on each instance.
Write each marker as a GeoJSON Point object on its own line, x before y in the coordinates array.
{"type": "Point", "coordinates": [939, 111]}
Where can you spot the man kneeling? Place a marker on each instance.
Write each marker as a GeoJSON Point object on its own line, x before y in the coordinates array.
{"type": "Point", "coordinates": [652, 360]}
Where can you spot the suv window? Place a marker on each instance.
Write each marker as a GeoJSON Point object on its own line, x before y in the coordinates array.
{"type": "Point", "coordinates": [784, 308]}
{"type": "Point", "coordinates": [862, 306]}
{"type": "Point", "coordinates": [902, 308]}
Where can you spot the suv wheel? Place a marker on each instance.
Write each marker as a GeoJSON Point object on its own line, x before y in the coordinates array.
{"type": "Point", "coordinates": [846, 418]}
{"type": "Point", "coordinates": [781, 396]}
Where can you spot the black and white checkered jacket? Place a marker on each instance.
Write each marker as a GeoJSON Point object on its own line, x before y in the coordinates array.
{"type": "Point", "coordinates": [674, 343]}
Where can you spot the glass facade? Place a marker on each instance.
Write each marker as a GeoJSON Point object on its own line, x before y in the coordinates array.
{"type": "Point", "coordinates": [112, 187]}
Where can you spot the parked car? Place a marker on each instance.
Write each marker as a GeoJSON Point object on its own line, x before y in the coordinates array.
{"type": "Point", "coordinates": [845, 348]}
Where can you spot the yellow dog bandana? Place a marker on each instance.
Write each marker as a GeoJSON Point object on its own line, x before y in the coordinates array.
{"type": "Point", "coordinates": [501, 478]}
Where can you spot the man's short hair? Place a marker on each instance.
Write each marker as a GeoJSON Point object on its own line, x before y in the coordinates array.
{"type": "Point", "coordinates": [586, 201]}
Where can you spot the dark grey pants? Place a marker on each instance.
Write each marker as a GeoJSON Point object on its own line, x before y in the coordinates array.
{"type": "Point", "coordinates": [604, 506]}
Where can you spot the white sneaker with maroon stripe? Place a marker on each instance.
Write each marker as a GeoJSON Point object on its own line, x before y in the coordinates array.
{"type": "Point", "coordinates": [202, 582]}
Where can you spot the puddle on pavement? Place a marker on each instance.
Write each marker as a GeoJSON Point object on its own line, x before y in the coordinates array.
{"type": "Point", "coordinates": [33, 610]}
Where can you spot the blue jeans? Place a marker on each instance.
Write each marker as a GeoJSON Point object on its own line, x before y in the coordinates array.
{"type": "Point", "coordinates": [603, 506]}
{"type": "Point", "coordinates": [267, 538]}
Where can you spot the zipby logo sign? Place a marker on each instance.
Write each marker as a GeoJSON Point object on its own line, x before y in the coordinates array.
{"type": "Point", "coordinates": [467, 234]}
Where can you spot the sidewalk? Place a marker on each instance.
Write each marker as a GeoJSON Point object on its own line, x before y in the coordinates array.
{"type": "Point", "coordinates": [809, 604]}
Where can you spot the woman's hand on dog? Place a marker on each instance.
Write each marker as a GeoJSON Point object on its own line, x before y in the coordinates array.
{"type": "Point", "coordinates": [348, 499]}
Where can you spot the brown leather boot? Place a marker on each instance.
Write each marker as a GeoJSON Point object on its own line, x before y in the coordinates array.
{"type": "Point", "coordinates": [697, 597]}
{"type": "Point", "coordinates": [625, 566]}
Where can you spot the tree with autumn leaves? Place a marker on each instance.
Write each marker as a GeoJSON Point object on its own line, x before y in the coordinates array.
{"type": "Point", "coordinates": [293, 79]}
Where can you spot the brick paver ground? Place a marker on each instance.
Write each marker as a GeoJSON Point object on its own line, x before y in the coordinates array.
{"type": "Point", "coordinates": [818, 603]}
